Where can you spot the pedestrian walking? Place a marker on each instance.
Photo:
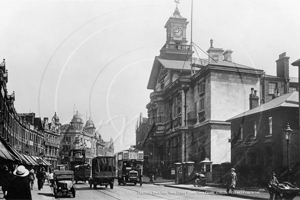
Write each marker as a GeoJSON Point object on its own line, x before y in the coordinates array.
{"type": "Point", "coordinates": [151, 176]}
{"type": "Point", "coordinates": [274, 194]}
{"type": "Point", "coordinates": [31, 178]}
{"type": "Point", "coordinates": [41, 176]}
{"type": "Point", "coordinates": [231, 181]}
{"type": "Point", "coordinates": [51, 177]}
{"type": "Point", "coordinates": [6, 177]}
{"type": "Point", "coordinates": [19, 187]}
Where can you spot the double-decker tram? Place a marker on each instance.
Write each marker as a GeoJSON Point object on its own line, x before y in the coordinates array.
{"type": "Point", "coordinates": [76, 157]}
{"type": "Point", "coordinates": [130, 166]}
{"type": "Point", "coordinates": [77, 163]}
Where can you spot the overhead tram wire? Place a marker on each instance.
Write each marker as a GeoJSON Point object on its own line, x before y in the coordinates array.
{"type": "Point", "coordinates": [198, 56]}
{"type": "Point", "coordinates": [205, 52]}
{"type": "Point", "coordinates": [185, 60]}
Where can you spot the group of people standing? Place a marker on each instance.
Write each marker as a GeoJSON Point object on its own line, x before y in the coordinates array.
{"type": "Point", "coordinates": [17, 184]}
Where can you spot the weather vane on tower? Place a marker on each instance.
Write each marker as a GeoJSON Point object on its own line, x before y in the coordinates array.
{"type": "Point", "coordinates": [177, 2]}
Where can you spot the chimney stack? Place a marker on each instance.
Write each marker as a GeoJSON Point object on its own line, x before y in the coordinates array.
{"type": "Point", "coordinates": [253, 99]}
{"type": "Point", "coordinates": [227, 55]}
{"type": "Point", "coordinates": [214, 54]}
{"type": "Point", "coordinates": [283, 70]}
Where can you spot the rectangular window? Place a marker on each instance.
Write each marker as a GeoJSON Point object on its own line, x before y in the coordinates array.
{"type": "Point", "coordinates": [201, 104]}
{"type": "Point", "coordinates": [272, 88]}
{"type": "Point", "coordinates": [201, 116]}
{"type": "Point", "coordinates": [270, 125]}
{"type": "Point", "coordinates": [255, 129]}
{"type": "Point", "coordinates": [68, 140]}
{"type": "Point", "coordinates": [201, 87]}
{"type": "Point", "coordinates": [241, 132]}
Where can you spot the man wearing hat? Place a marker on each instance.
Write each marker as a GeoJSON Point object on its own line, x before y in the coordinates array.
{"type": "Point", "coordinates": [231, 181]}
{"type": "Point", "coordinates": [19, 187]}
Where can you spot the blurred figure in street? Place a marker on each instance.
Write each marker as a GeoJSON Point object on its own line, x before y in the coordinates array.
{"type": "Point", "coordinates": [273, 192]}
{"type": "Point", "coordinates": [151, 176]}
{"type": "Point", "coordinates": [155, 173]}
{"type": "Point", "coordinates": [51, 177]}
{"type": "Point", "coordinates": [19, 187]}
{"type": "Point", "coordinates": [231, 181]}
{"type": "Point", "coordinates": [31, 178]}
{"type": "Point", "coordinates": [6, 178]}
{"type": "Point", "coordinates": [41, 176]}
{"type": "Point", "coordinates": [47, 176]}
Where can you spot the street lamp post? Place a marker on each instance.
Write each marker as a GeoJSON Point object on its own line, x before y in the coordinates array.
{"type": "Point", "coordinates": [288, 133]}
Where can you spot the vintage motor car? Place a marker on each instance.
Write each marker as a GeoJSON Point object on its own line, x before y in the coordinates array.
{"type": "Point", "coordinates": [63, 183]}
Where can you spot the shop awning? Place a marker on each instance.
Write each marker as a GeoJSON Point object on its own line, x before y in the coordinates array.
{"type": "Point", "coordinates": [37, 160]}
{"type": "Point", "coordinates": [20, 156]}
{"type": "Point", "coordinates": [41, 161]}
{"type": "Point", "coordinates": [47, 162]}
{"type": "Point", "coordinates": [30, 159]}
{"type": "Point", "coordinates": [5, 153]}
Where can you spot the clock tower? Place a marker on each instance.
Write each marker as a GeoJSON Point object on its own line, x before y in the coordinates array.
{"type": "Point", "coordinates": [176, 47]}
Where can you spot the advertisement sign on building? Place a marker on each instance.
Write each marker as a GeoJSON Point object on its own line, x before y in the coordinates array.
{"type": "Point", "coordinates": [18, 147]}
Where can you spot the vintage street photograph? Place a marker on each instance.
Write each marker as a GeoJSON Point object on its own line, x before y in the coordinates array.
{"type": "Point", "coordinates": [149, 99]}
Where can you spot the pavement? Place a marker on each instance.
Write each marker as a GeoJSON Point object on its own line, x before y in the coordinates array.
{"type": "Point", "coordinates": [244, 193]}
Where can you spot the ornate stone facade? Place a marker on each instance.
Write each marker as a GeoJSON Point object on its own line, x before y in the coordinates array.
{"type": "Point", "coordinates": [78, 136]}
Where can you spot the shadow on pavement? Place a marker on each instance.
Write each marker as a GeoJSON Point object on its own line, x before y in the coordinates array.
{"type": "Point", "coordinates": [84, 188]}
{"type": "Point", "coordinates": [45, 194]}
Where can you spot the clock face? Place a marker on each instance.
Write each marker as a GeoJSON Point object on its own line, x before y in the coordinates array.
{"type": "Point", "coordinates": [177, 32]}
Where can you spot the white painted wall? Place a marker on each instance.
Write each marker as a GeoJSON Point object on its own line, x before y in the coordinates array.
{"type": "Point", "coordinates": [230, 95]}
{"type": "Point", "coordinates": [220, 147]}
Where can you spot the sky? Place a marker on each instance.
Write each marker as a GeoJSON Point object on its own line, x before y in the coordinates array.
{"type": "Point", "coordinates": [95, 57]}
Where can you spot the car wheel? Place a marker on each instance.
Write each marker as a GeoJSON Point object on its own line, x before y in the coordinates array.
{"type": "Point", "coordinates": [106, 186]}
{"type": "Point", "coordinates": [95, 185]}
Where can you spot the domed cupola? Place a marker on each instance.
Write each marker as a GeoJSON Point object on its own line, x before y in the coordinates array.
{"type": "Point", "coordinates": [89, 124]}
{"type": "Point", "coordinates": [77, 118]}
{"type": "Point", "coordinates": [76, 122]}
{"type": "Point", "coordinates": [55, 119]}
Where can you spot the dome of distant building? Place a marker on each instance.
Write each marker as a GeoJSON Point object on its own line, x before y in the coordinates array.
{"type": "Point", "coordinates": [76, 118]}
{"type": "Point", "coordinates": [89, 124]}
{"type": "Point", "coordinates": [55, 118]}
